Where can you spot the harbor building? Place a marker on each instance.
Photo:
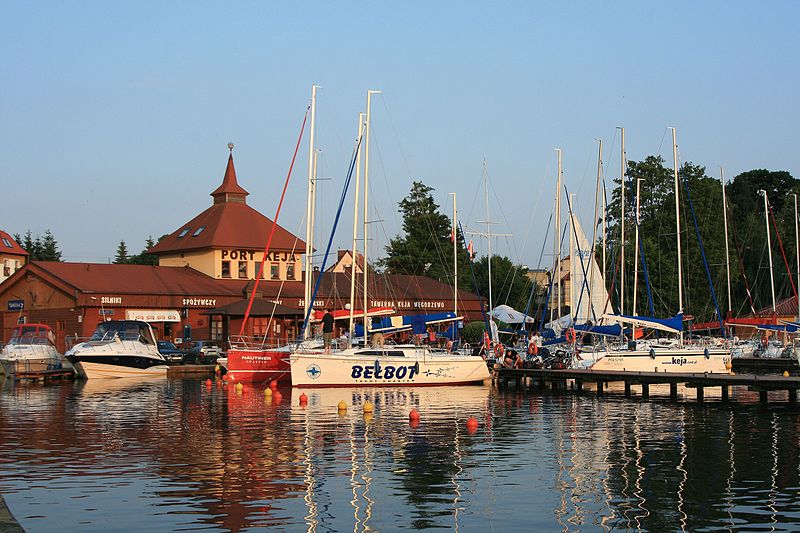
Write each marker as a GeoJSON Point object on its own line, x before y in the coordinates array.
{"type": "Point", "coordinates": [12, 256]}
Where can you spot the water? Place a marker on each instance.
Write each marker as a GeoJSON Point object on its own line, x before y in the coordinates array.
{"type": "Point", "coordinates": [176, 455]}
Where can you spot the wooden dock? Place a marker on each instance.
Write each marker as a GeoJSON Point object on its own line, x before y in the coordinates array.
{"type": "Point", "coordinates": [558, 379]}
{"type": "Point", "coordinates": [765, 365]}
{"type": "Point", "coordinates": [44, 375]}
{"type": "Point", "coordinates": [191, 371]}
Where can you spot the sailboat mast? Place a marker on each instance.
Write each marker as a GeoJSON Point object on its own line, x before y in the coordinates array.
{"type": "Point", "coordinates": [558, 235]}
{"type": "Point", "coordinates": [592, 261]}
{"type": "Point", "coordinates": [573, 310]}
{"type": "Point", "coordinates": [769, 250]}
{"type": "Point", "coordinates": [366, 209]}
{"type": "Point", "coordinates": [355, 231]}
{"type": "Point", "coordinates": [677, 223]}
{"type": "Point", "coordinates": [455, 256]}
{"type": "Point", "coordinates": [309, 210]}
{"type": "Point", "coordinates": [622, 222]}
{"type": "Point", "coordinates": [797, 250]}
{"type": "Point", "coordinates": [488, 230]}
{"type": "Point", "coordinates": [636, 246]}
{"type": "Point", "coordinates": [725, 220]}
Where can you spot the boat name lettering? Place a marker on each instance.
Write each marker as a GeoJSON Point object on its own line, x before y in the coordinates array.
{"type": "Point", "coordinates": [200, 301]}
{"type": "Point", "coordinates": [383, 372]}
{"type": "Point", "coordinates": [251, 255]}
{"type": "Point", "coordinates": [111, 299]}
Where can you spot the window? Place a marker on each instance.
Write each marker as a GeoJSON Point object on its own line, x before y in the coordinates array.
{"type": "Point", "coordinates": [260, 326]}
{"type": "Point", "coordinates": [199, 231]}
{"type": "Point", "coordinates": [226, 269]}
{"type": "Point", "coordinates": [274, 271]}
{"type": "Point", "coordinates": [216, 329]}
{"type": "Point", "coordinates": [183, 233]}
{"type": "Point", "coordinates": [8, 244]}
{"type": "Point", "coordinates": [290, 271]}
{"type": "Point", "coordinates": [242, 269]}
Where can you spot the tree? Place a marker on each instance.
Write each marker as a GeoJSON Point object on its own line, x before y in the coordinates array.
{"type": "Point", "coordinates": [41, 249]}
{"type": "Point", "coordinates": [143, 257]}
{"type": "Point", "coordinates": [426, 247]}
{"type": "Point", "coordinates": [510, 283]}
{"type": "Point", "coordinates": [122, 254]}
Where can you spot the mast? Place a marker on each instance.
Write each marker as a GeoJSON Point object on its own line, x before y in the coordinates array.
{"type": "Point", "coordinates": [558, 235]}
{"type": "Point", "coordinates": [366, 210]}
{"type": "Point", "coordinates": [573, 310]}
{"type": "Point", "coordinates": [622, 222]}
{"type": "Point", "coordinates": [594, 233]}
{"type": "Point", "coordinates": [355, 230]}
{"type": "Point", "coordinates": [769, 249]}
{"type": "Point", "coordinates": [725, 220]}
{"type": "Point", "coordinates": [455, 256]}
{"type": "Point", "coordinates": [310, 210]}
{"type": "Point", "coordinates": [636, 246]}
{"type": "Point", "coordinates": [677, 224]}
{"type": "Point", "coordinates": [797, 249]}
{"type": "Point", "coordinates": [488, 230]}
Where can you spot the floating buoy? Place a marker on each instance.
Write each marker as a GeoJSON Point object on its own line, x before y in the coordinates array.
{"type": "Point", "coordinates": [208, 382]}
{"type": "Point", "coordinates": [277, 397]}
{"type": "Point", "coordinates": [786, 373]}
{"type": "Point", "coordinates": [225, 377]}
{"type": "Point", "coordinates": [303, 399]}
{"type": "Point", "coordinates": [273, 385]}
{"type": "Point", "coordinates": [728, 365]}
{"type": "Point", "coordinates": [414, 423]}
{"type": "Point", "coordinates": [217, 369]}
{"type": "Point", "coordinates": [342, 406]}
{"type": "Point", "coordinates": [368, 417]}
{"type": "Point", "coordinates": [368, 407]}
{"type": "Point", "coordinates": [239, 387]}
{"type": "Point", "coordinates": [413, 415]}
{"type": "Point", "coordinates": [267, 392]}
{"type": "Point", "coordinates": [472, 423]}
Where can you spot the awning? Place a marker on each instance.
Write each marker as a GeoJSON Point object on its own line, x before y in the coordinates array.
{"type": "Point", "coordinates": [153, 315]}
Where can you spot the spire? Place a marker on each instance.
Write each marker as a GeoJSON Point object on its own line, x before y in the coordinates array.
{"type": "Point", "coordinates": [230, 191]}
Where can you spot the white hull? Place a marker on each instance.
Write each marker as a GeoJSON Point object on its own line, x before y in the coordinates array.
{"type": "Point", "coordinates": [343, 370]}
{"type": "Point", "coordinates": [677, 360]}
{"type": "Point", "coordinates": [103, 370]}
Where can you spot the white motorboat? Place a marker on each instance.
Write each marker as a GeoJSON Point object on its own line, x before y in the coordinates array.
{"type": "Point", "coordinates": [119, 349]}
{"type": "Point", "coordinates": [398, 365]}
{"type": "Point", "coordinates": [31, 349]}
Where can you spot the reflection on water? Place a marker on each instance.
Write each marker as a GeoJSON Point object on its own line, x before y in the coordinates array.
{"type": "Point", "coordinates": [166, 455]}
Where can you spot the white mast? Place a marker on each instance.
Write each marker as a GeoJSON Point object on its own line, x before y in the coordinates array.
{"type": "Point", "coordinates": [769, 249]}
{"type": "Point", "coordinates": [310, 210]}
{"type": "Point", "coordinates": [797, 250]}
{"type": "Point", "coordinates": [455, 256]}
{"type": "Point", "coordinates": [558, 235]}
{"type": "Point", "coordinates": [488, 230]}
{"type": "Point", "coordinates": [725, 220]}
{"type": "Point", "coordinates": [636, 252]}
{"type": "Point", "coordinates": [594, 225]}
{"type": "Point", "coordinates": [622, 222]}
{"type": "Point", "coordinates": [355, 227]}
{"type": "Point", "coordinates": [573, 309]}
{"type": "Point", "coordinates": [366, 210]}
{"type": "Point", "coordinates": [677, 225]}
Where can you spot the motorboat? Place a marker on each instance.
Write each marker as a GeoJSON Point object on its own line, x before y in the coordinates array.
{"type": "Point", "coordinates": [390, 365]}
{"type": "Point", "coordinates": [31, 349]}
{"type": "Point", "coordinates": [118, 349]}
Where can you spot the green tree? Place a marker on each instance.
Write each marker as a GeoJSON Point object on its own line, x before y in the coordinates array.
{"type": "Point", "coordinates": [510, 283]}
{"type": "Point", "coordinates": [426, 247]}
{"type": "Point", "coordinates": [41, 248]}
{"type": "Point", "coordinates": [143, 257]}
{"type": "Point", "coordinates": [122, 254]}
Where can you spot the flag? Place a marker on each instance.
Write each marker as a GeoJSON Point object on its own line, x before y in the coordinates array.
{"type": "Point", "coordinates": [471, 251]}
{"type": "Point", "coordinates": [453, 235]}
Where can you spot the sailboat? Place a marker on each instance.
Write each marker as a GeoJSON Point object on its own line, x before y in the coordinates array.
{"type": "Point", "coordinates": [383, 365]}
{"type": "Point", "coordinates": [660, 355]}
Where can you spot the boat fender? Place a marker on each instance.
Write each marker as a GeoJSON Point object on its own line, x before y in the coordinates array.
{"type": "Point", "coordinates": [705, 352]}
{"type": "Point", "coordinates": [467, 347]}
{"type": "Point", "coordinates": [416, 367]}
{"type": "Point", "coordinates": [377, 368]}
{"type": "Point", "coordinates": [652, 353]}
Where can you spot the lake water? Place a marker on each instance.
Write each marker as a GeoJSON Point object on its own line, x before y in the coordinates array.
{"type": "Point", "coordinates": [178, 455]}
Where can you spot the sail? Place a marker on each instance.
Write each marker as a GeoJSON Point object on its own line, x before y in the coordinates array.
{"type": "Point", "coordinates": [589, 295]}
{"type": "Point", "coordinates": [672, 325]}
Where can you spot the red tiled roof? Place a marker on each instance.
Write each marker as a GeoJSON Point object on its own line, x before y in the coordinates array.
{"type": "Point", "coordinates": [229, 183]}
{"type": "Point", "coordinates": [137, 279]}
{"type": "Point", "coordinates": [14, 249]}
{"type": "Point", "coordinates": [228, 225]}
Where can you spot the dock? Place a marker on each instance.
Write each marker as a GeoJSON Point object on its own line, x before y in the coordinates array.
{"type": "Point", "coordinates": [44, 375]}
{"type": "Point", "coordinates": [759, 365]}
{"type": "Point", "coordinates": [191, 371]}
{"type": "Point", "coordinates": [557, 380]}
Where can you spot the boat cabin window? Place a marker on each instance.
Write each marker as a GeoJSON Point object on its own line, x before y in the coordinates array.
{"type": "Point", "coordinates": [123, 330]}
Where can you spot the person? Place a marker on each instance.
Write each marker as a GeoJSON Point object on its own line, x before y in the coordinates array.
{"type": "Point", "coordinates": [378, 340]}
{"type": "Point", "coordinates": [431, 335]}
{"type": "Point", "coordinates": [512, 359]}
{"type": "Point", "coordinates": [327, 329]}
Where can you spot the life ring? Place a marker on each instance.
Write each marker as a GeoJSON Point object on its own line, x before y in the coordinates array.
{"type": "Point", "coordinates": [570, 335]}
{"type": "Point", "coordinates": [467, 346]}
{"type": "Point", "coordinates": [499, 350]}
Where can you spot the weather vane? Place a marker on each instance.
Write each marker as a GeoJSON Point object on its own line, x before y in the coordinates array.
{"type": "Point", "coordinates": [230, 147]}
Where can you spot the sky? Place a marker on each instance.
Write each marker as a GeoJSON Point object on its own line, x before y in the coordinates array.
{"type": "Point", "coordinates": [115, 116]}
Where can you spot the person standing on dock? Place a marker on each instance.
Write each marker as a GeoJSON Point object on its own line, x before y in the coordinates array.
{"type": "Point", "coordinates": [327, 330]}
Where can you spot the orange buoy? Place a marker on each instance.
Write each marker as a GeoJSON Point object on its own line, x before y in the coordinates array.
{"type": "Point", "coordinates": [277, 397]}
{"type": "Point", "coordinates": [208, 382]}
{"type": "Point", "coordinates": [303, 399]}
{"type": "Point", "coordinates": [413, 415]}
{"type": "Point", "coordinates": [273, 385]}
{"type": "Point", "coordinates": [472, 424]}
{"type": "Point", "coordinates": [786, 373]}
{"type": "Point", "coordinates": [414, 423]}
{"type": "Point", "coordinates": [225, 377]}
{"type": "Point", "coordinates": [368, 407]}
{"type": "Point", "coordinates": [342, 406]}
{"type": "Point", "coordinates": [267, 392]}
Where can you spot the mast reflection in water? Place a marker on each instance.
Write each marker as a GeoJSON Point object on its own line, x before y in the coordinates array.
{"type": "Point", "coordinates": [168, 455]}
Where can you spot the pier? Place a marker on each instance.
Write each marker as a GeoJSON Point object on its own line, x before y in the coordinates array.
{"type": "Point", "coordinates": [190, 371]}
{"type": "Point", "coordinates": [559, 379]}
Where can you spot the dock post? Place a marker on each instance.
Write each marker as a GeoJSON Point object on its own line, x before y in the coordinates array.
{"type": "Point", "coordinates": [762, 396]}
{"type": "Point", "coordinates": [627, 389]}
{"type": "Point", "coordinates": [579, 386]}
{"type": "Point", "coordinates": [599, 388]}
{"type": "Point", "coordinates": [725, 391]}
{"type": "Point", "coordinates": [673, 392]}
{"type": "Point", "coordinates": [645, 391]}
{"type": "Point", "coordinates": [700, 394]}
{"type": "Point", "coordinates": [792, 395]}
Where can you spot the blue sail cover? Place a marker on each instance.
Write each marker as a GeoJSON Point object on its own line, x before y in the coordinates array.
{"type": "Point", "coordinates": [418, 324]}
{"type": "Point", "coordinates": [789, 327]}
{"type": "Point", "coordinates": [672, 325]}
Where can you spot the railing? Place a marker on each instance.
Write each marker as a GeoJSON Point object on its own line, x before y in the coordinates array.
{"type": "Point", "coordinates": [240, 342]}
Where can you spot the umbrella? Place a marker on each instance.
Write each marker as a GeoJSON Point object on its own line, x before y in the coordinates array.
{"type": "Point", "coordinates": [509, 315]}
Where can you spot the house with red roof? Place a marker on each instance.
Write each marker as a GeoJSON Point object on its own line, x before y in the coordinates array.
{"type": "Point", "coordinates": [12, 256]}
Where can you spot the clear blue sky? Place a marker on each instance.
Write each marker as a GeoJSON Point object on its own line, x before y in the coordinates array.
{"type": "Point", "coordinates": [114, 116]}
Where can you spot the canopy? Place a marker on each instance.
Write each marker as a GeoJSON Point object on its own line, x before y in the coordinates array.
{"type": "Point", "coordinates": [509, 315]}
{"type": "Point", "coordinates": [672, 325]}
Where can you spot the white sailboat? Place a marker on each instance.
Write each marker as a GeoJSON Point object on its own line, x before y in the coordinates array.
{"type": "Point", "coordinates": [661, 355]}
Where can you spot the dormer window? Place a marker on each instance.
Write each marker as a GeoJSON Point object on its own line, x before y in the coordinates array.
{"type": "Point", "coordinates": [199, 231]}
{"type": "Point", "coordinates": [183, 233]}
{"type": "Point", "coordinates": [7, 243]}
